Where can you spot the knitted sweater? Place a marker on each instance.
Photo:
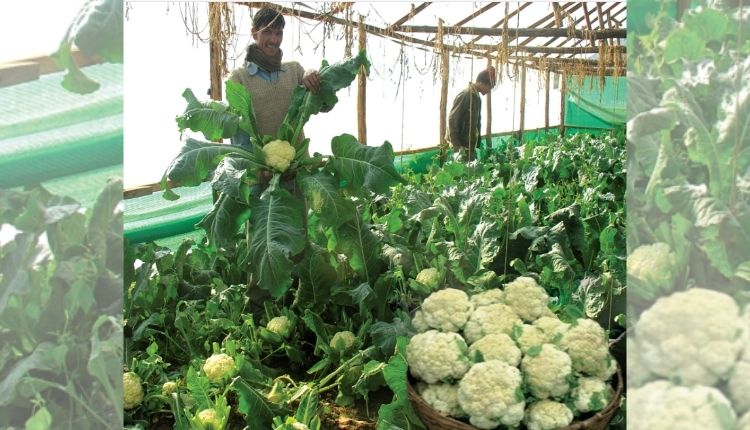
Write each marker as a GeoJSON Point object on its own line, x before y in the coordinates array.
{"type": "Point", "coordinates": [270, 100]}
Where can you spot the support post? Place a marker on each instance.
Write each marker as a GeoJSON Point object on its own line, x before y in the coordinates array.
{"type": "Point", "coordinates": [215, 52]}
{"type": "Point", "coordinates": [563, 90]}
{"type": "Point", "coordinates": [362, 90]}
{"type": "Point", "coordinates": [442, 143]}
{"type": "Point", "coordinates": [488, 130]}
{"type": "Point", "coordinates": [523, 101]}
{"type": "Point", "coordinates": [546, 98]}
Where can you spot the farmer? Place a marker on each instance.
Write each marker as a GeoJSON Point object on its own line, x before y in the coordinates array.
{"type": "Point", "coordinates": [465, 117]}
{"type": "Point", "coordinates": [269, 80]}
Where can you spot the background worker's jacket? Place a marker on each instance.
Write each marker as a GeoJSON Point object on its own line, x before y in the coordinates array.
{"type": "Point", "coordinates": [464, 121]}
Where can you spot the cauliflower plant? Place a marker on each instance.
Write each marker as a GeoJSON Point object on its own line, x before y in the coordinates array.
{"type": "Point", "coordinates": [280, 325]}
{"type": "Point", "coordinates": [168, 388]}
{"type": "Point", "coordinates": [588, 347]}
{"type": "Point", "coordinates": [447, 310]}
{"type": "Point", "coordinates": [491, 319]}
{"type": "Point", "coordinates": [343, 341]}
{"type": "Point", "coordinates": [591, 394]}
{"type": "Point", "coordinates": [651, 271]}
{"type": "Point", "coordinates": [218, 366]}
{"type": "Point", "coordinates": [210, 419]}
{"type": "Point", "coordinates": [498, 346]}
{"type": "Point", "coordinates": [547, 415]}
{"type": "Point", "coordinates": [132, 390]}
{"type": "Point", "coordinates": [694, 336]}
{"type": "Point", "coordinates": [430, 278]}
{"type": "Point", "coordinates": [526, 297]}
{"type": "Point", "coordinates": [662, 405]}
{"type": "Point", "coordinates": [441, 397]}
{"type": "Point", "coordinates": [434, 356]}
{"type": "Point", "coordinates": [279, 154]}
{"type": "Point", "coordinates": [547, 373]}
{"type": "Point", "coordinates": [490, 393]}
{"type": "Point", "coordinates": [488, 297]}
{"type": "Point", "coordinates": [419, 323]}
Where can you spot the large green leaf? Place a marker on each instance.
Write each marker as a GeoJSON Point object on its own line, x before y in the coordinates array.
{"type": "Point", "coordinates": [316, 279]}
{"type": "Point", "coordinates": [398, 414]}
{"type": "Point", "coordinates": [234, 176]}
{"type": "Point", "coordinates": [305, 103]}
{"type": "Point", "coordinates": [195, 162]}
{"type": "Point", "coordinates": [258, 411]}
{"type": "Point", "coordinates": [212, 118]}
{"type": "Point", "coordinates": [361, 246]}
{"type": "Point", "coordinates": [224, 221]}
{"type": "Point", "coordinates": [241, 100]}
{"type": "Point", "coordinates": [278, 234]}
{"type": "Point", "coordinates": [325, 198]}
{"type": "Point", "coordinates": [365, 166]}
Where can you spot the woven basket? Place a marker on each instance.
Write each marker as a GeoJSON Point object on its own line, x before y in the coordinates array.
{"type": "Point", "coordinates": [434, 421]}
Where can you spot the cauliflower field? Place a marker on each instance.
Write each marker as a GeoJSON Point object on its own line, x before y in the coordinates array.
{"type": "Point", "coordinates": [689, 341]}
{"type": "Point", "coordinates": [564, 371]}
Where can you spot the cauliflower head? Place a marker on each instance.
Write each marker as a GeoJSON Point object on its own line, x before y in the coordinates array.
{"type": "Point", "coordinates": [548, 372]}
{"type": "Point", "coordinates": [441, 397]}
{"type": "Point", "coordinates": [447, 310]}
{"type": "Point", "coordinates": [168, 388]}
{"type": "Point", "coordinates": [300, 426]}
{"type": "Point", "coordinates": [552, 328]}
{"type": "Point", "coordinates": [529, 336]}
{"type": "Point", "coordinates": [430, 278]}
{"type": "Point", "coordinates": [527, 298]}
{"type": "Point", "coordinates": [490, 393]}
{"type": "Point", "coordinates": [434, 356]}
{"type": "Point", "coordinates": [280, 325]}
{"type": "Point", "coordinates": [638, 373]}
{"type": "Point", "coordinates": [132, 390]}
{"type": "Point", "coordinates": [651, 270]}
{"type": "Point", "coordinates": [694, 336]}
{"type": "Point", "coordinates": [739, 384]}
{"type": "Point", "coordinates": [663, 405]}
{"type": "Point", "coordinates": [218, 366]}
{"type": "Point", "coordinates": [343, 341]}
{"type": "Point", "coordinates": [419, 323]}
{"type": "Point", "coordinates": [547, 415]}
{"type": "Point", "coordinates": [591, 394]}
{"type": "Point", "coordinates": [744, 422]}
{"type": "Point", "coordinates": [210, 419]}
{"type": "Point", "coordinates": [488, 297]}
{"type": "Point", "coordinates": [498, 346]}
{"type": "Point", "coordinates": [279, 154]}
{"type": "Point", "coordinates": [588, 347]}
{"type": "Point", "coordinates": [491, 319]}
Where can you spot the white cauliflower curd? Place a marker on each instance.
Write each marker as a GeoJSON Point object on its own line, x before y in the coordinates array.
{"type": "Point", "coordinates": [527, 298]}
{"type": "Point", "coordinates": [279, 154]}
{"type": "Point", "coordinates": [447, 310]}
{"type": "Point", "coordinates": [547, 373]}
{"type": "Point", "coordinates": [434, 356]}
{"type": "Point", "coordinates": [498, 346]}
{"type": "Point", "coordinates": [547, 415]}
{"type": "Point", "coordinates": [491, 319]}
{"type": "Point", "coordinates": [490, 393]}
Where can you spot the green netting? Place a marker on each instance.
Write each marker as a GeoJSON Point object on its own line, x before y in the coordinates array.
{"type": "Point", "coordinates": [591, 105]}
{"type": "Point", "coordinates": [47, 132]}
{"type": "Point", "coordinates": [86, 186]}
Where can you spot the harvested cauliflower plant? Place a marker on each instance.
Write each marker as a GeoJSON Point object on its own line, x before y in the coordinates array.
{"type": "Point", "coordinates": [218, 367]}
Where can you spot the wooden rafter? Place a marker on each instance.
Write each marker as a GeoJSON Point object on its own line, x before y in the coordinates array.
{"type": "Point", "coordinates": [548, 49]}
{"type": "Point", "coordinates": [409, 15]}
{"type": "Point", "coordinates": [502, 21]}
{"type": "Point", "coordinates": [563, 10]}
{"type": "Point", "coordinates": [586, 15]}
{"type": "Point", "coordinates": [578, 42]}
{"type": "Point", "coordinates": [518, 32]}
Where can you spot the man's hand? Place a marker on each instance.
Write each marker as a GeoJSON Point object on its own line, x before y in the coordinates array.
{"type": "Point", "coordinates": [311, 80]}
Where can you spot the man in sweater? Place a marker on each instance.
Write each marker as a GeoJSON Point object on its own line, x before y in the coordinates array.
{"type": "Point", "coordinates": [465, 116]}
{"type": "Point", "coordinates": [269, 80]}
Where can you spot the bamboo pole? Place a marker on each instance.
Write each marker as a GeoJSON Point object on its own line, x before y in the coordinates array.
{"type": "Point", "coordinates": [546, 98]}
{"type": "Point", "coordinates": [517, 32]}
{"type": "Point", "coordinates": [563, 90]}
{"type": "Point", "coordinates": [362, 89]}
{"type": "Point", "coordinates": [215, 56]}
{"type": "Point", "coordinates": [523, 101]}
{"type": "Point", "coordinates": [442, 144]}
{"type": "Point", "coordinates": [488, 129]}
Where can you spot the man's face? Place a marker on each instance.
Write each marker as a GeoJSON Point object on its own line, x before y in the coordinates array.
{"type": "Point", "coordinates": [268, 39]}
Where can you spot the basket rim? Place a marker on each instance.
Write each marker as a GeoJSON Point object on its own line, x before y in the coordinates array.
{"type": "Point", "coordinates": [605, 414]}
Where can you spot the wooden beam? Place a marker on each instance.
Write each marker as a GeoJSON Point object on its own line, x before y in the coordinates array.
{"type": "Point", "coordinates": [410, 15]}
{"type": "Point", "coordinates": [504, 20]}
{"type": "Point", "coordinates": [523, 101]}
{"type": "Point", "coordinates": [549, 50]}
{"type": "Point", "coordinates": [30, 69]}
{"type": "Point", "coordinates": [477, 13]}
{"type": "Point", "coordinates": [586, 15]}
{"type": "Point", "coordinates": [578, 42]}
{"type": "Point", "coordinates": [518, 32]}
{"type": "Point", "coordinates": [362, 89]}
{"type": "Point", "coordinates": [551, 24]}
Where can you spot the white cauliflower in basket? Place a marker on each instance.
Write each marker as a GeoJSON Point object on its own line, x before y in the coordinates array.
{"type": "Point", "coordinates": [591, 395]}
{"type": "Point", "coordinates": [694, 337]}
{"type": "Point", "coordinates": [447, 310]}
{"type": "Point", "coordinates": [490, 393]}
{"type": "Point", "coordinates": [547, 372]}
{"type": "Point", "coordinates": [419, 323]}
{"type": "Point", "coordinates": [279, 154]}
{"type": "Point", "coordinates": [526, 297]}
{"type": "Point", "coordinates": [530, 336]}
{"type": "Point", "coordinates": [662, 405]}
{"type": "Point", "coordinates": [498, 346]}
{"type": "Point", "coordinates": [547, 415]}
{"type": "Point", "coordinates": [442, 397]}
{"type": "Point", "coordinates": [491, 319]}
{"type": "Point", "coordinates": [638, 373]}
{"type": "Point", "coordinates": [588, 347]}
{"type": "Point", "coordinates": [434, 356]}
{"type": "Point", "coordinates": [739, 383]}
{"type": "Point", "coordinates": [552, 328]}
{"type": "Point", "coordinates": [488, 297]}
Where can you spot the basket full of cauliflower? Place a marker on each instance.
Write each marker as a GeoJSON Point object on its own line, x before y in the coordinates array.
{"type": "Point", "coordinates": [501, 359]}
